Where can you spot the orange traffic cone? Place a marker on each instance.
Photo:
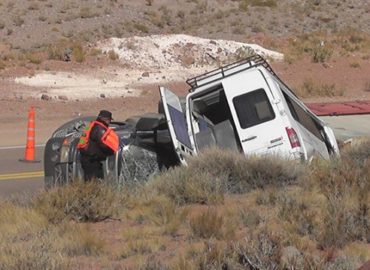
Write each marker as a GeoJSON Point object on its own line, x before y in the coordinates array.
{"type": "Point", "coordinates": [29, 154]}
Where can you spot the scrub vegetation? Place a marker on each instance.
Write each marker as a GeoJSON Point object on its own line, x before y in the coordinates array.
{"type": "Point", "coordinates": [222, 211]}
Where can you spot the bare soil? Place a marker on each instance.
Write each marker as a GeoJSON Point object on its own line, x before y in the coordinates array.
{"type": "Point", "coordinates": [354, 82]}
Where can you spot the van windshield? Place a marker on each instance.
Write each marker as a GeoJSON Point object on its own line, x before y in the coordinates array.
{"type": "Point", "coordinates": [253, 108]}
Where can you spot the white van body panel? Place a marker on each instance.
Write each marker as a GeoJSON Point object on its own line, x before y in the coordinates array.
{"type": "Point", "coordinates": [268, 136]}
{"type": "Point", "coordinates": [311, 143]}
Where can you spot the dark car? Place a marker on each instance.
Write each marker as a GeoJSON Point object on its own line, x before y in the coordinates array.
{"type": "Point", "coordinates": [145, 148]}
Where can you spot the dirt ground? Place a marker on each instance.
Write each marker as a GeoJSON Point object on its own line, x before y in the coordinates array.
{"type": "Point", "coordinates": [354, 82]}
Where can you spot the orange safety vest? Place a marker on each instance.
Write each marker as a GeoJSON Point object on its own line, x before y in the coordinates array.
{"type": "Point", "coordinates": [109, 138]}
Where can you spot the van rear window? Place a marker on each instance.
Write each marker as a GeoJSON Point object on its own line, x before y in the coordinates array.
{"type": "Point", "coordinates": [303, 117]}
{"type": "Point", "coordinates": [253, 108]}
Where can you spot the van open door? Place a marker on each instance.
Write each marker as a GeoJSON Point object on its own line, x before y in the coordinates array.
{"type": "Point", "coordinates": [176, 122]}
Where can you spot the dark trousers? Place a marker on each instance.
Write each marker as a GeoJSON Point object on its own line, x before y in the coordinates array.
{"type": "Point", "coordinates": [92, 168]}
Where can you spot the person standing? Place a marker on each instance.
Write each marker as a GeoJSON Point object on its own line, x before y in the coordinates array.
{"type": "Point", "coordinates": [96, 143]}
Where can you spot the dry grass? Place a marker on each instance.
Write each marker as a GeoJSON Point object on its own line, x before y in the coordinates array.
{"type": "Point", "coordinates": [113, 55]}
{"type": "Point", "coordinates": [78, 53]}
{"type": "Point", "coordinates": [262, 171]}
{"type": "Point", "coordinates": [34, 58]}
{"type": "Point", "coordinates": [207, 225]}
{"type": "Point", "coordinates": [260, 3]}
{"type": "Point", "coordinates": [322, 46]}
{"type": "Point", "coordinates": [310, 88]}
{"type": "Point", "coordinates": [2, 65]}
{"type": "Point", "coordinates": [80, 202]}
{"type": "Point", "coordinates": [184, 186]}
{"type": "Point", "coordinates": [278, 219]}
{"type": "Point", "coordinates": [29, 241]}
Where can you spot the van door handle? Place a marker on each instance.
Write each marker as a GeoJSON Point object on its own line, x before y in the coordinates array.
{"type": "Point", "coordinates": [249, 138]}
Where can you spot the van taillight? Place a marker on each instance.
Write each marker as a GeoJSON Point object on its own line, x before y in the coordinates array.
{"type": "Point", "coordinates": [293, 138]}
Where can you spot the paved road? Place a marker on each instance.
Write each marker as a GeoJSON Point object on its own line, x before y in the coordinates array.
{"type": "Point", "coordinates": [18, 177]}
{"type": "Point", "coordinates": [349, 126]}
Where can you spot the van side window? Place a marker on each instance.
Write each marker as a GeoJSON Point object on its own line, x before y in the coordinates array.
{"type": "Point", "coordinates": [253, 108]}
{"type": "Point", "coordinates": [302, 117]}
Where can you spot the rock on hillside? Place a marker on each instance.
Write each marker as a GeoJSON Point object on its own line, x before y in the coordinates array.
{"type": "Point", "coordinates": [179, 51]}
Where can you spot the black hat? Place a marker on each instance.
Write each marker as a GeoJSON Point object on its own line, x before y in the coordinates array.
{"type": "Point", "coordinates": [105, 114]}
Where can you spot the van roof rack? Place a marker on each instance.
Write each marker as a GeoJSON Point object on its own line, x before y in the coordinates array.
{"type": "Point", "coordinates": [228, 70]}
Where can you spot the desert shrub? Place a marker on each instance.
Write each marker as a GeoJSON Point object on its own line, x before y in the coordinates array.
{"type": "Point", "coordinates": [79, 241]}
{"type": "Point", "coordinates": [58, 50]}
{"type": "Point", "coordinates": [250, 218]}
{"type": "Point", "coordinates": [321, 54]}
{"type": "Point", "coordinates": [140, 247]}
{"type": "Point", "coordinates": [355, 65]}
{"type": "Point", "coordinates": [346, 211]}
{"type": "Point", "coordinates": [113, 55]}
{"type": "Point", "coordinates": [299, 214]}
{"type": "Point", "coordinates": [165, 18]}
{"type": "Point", "coordinates": [86, 12]}
{"type": "Point", "coordinates": [267, 197]}
{"type": "Point", "coordinates": [55, 53]}
{"type": "Point", "coordinates": [216, 172]}
{"type": "Point", "coordinates": [351, 40]}
{"type": "Point", "coordinates": [310, 88]}
{"type": "Point", "coordinates": [25, 241]}
{"type": "Point", "coordinates": [79, 201]}
{"type": "Point", "coordinates": [18, 20]}
{"type": "Point", "coordinates": [141, 27]}
{"type": "Point", "coordinates": [213, 256]}
{"type": "Point", "coordinates": [261, 250]}
{"type": "Point", "coordinates": [207, 225]}
{"type": "Point", "coordinates": [33, 6]}
{"type": "Point", "coordinates": [157, 210]}
{"type": "Point", "coordinates": [78, 53]}
{"type": "Point", "coordinates": [95, 52]}
{"type": "Point", "coordinates": [42, 18]}
{"type": "Point", "coordinates": [19, 222]}
{"type": "Point", "coordinates": [34, 58]}
{"type": "Point", "coordinates": [358, 153]}
{"type": "Point", "coordinates": [317, 45]}
{"type": "Point", "coordinates": [245, 173]}
{"type": "Point", "coordinates": [243, 4]}
{"type": "Point", "coordinates": [36, 254]}
{"type": "Point", "coordinates": [153, 263]}
{"type": "Point", "coordinates": [185, 186]}
{"type": "Point", "coordinates": [243, 52]}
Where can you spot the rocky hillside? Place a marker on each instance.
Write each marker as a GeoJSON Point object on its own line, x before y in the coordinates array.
{"type": "Point", "coordinates": [32, 24]}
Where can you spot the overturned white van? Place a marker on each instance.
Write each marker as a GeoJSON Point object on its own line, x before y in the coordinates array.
{"type": "Point", "coordinates": [245, 107]}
